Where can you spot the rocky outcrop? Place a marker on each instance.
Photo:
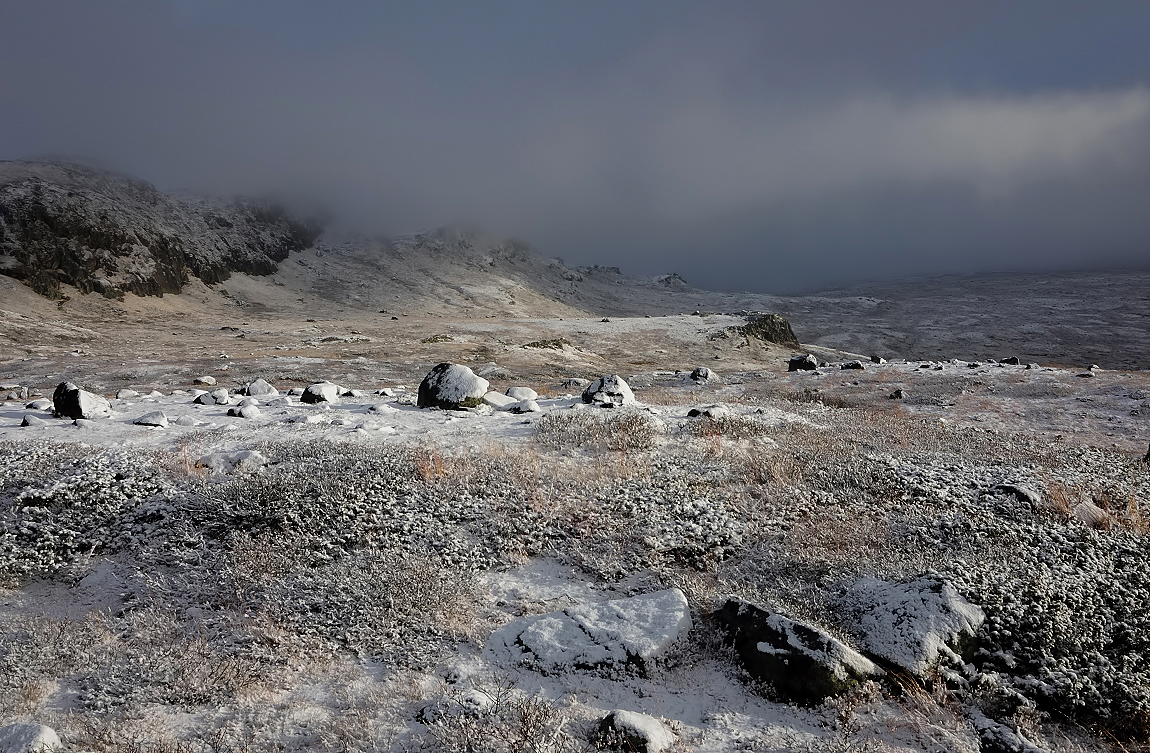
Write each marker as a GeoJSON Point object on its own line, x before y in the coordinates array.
{"type": "Point", "coordinates": [803, 662]}
{"type": "Point", "coordinates": [64, 224]}
{"type": "Point", "coordinates": [772, 328]}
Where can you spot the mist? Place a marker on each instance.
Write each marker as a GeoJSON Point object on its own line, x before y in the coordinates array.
{"type": "Point", "coordinates": [772, 147]}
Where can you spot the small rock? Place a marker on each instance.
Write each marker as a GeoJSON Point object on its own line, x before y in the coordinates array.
{"type": "Point", "coordinates": [877, 359]}
{"type": "Point", "coordinates": [608, 391]}
{"type": "Point", "coordinates": [208, 380]}
{"type": "Point", "coordinates": [220, 396]}
{"type": "Point", "coordinates": [41, 404]}
{"type": "Point", "coordinates": [69, 401]}
{"type": "Point", "coordinates": [382, 408]}
{"type": "Point", "coordinates": [279, 402]}
{"type": "Point", "coordinates": [710, 411]}
{"type": "Point", "coordinates": [155, 418]}
{"type": "Point", "coordinates": [898, 394]}
{"type": "Point", "coordinates": [805, 362]}
{"type": "Point", "coordinates": [248, 401]}
{"type": "Point", "coordinates": [522, 393]}
{"type": "Point", "coordinates": [259, 388]}
{"type": "Point", "coordinates": [244, 411]}
{"type": "Point", "coordinates": [1086, 375]}
{"type": "Point", "coordinates": [296, 391]}
{"type": "Point", "coordinates": [320, 392]}
{"type": "Point", "coordinates": [354, 394]}
{"type": "Point", "coordinates": [1010, 361]}
{"type": "Point", "coordinates": [204, 398]}
{"type": "Point", "coordinates": [703, 374]}
{"type": "Point", "coordinates": [852, 365]}
{"type": "Point", "coordinates": [1090, 514]}
{"type": "Point", "coordinates": [498, 401]}
{"type": "Point", "coordinates": [451, 386]}
{"type": "Point", "coordinates": [25, 737]}
{"type": "Point", "coordinates": [127, 395]}
{"type": "Point", "coordinates": [525, 406]}
{"type": "Point", "coordinates": [185, 421]}
{"type": "Point", "coordinates": [634, 733]}
{"type": "Point", "coordinates": [802, 661]}
{"type": "Point", "coordinates": [30, 420]}
{"type": "Point", "coordinates": [575, 383]}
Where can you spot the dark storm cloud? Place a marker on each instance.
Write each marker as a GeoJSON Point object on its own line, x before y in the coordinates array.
{"type": "Point", "coordinates": [767, 146]}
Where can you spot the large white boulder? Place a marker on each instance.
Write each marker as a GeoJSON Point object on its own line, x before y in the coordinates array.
{"type": "Point", "coordinates": [451, 386]}
{"type": "Point", "coordinates": [609, 391]}
{"type": "Point", "coordinates": [260, 388]}
{"type": "Point", "coordinates": [522, 393]}
{"type": "Point", "coordinates": [321, 392]}
{"type": "Point", "coordinates": [636, 631]}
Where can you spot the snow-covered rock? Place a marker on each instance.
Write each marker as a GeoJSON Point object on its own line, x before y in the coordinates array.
{"type": "Point", "coordinates": [248, 401]}
{"type": "Point", "coordinates": [608, 391]}
{"type": "Point", "coordinates": [227, 462]}
{"type": "Point", "coordinates": [321, 392]}
{"type": "Point", "coordinates": [69, 401]}
{"type": "Point", "coordinates": [636, 630]}
{"type": "Point", "coordinates": [259, 388]}
{"type": "Point", "coordinates": [26, 737]}
{"type": "Point", "coordinates": [802, 661]}
{"type": "Point", "coordinates": [575, 383]}
{"type": "Point", "coordinates": [857, 365]}
{"type": "Point", "coordinates": [220, 396]}
{"type": "Point", "coordinates": [30, 420]}
{"type": "Point", "coordinates": [39, 404]}
{"type": "Point", "coordinates": [915, 625]}
{"type": "Point", "coordinates": [244, 411]}
{"type": "Point", "coordinates": [451, 386]}
{"type": "Point", "coordinates": [154, 418]}
{"type": "Point", "coordinates": [525, 406]}
{"type": "Point", "coordinates": [127, 395]}
{"type": "Point", "coordinates": [498, 401]}
{"type": "Point", "coordinates": [631, 731]}
{"type": "Point", "coordinates": [703, 374]}
{"type": "Point", "coordinates": [210, 381]}
{"type": "Point", "coordinates": [522, 393]}
{"type": "Point", "coordinates": [710, 411]}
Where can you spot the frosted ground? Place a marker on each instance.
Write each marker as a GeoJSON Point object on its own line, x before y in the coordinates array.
{"type": "Point", "coordinates": [337, 576]}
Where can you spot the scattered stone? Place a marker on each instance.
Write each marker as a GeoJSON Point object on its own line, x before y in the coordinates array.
{"type": "Point", "coordinates": [382, 408]}
{"type": "Point", "coordinates": [227, 462]}
{"type": "Point", "coordinates": [1087, 375]}
{"type": "Point", "coordinates": [525, 406]}
{"type": "Point", "coordinates": [915, 626]}
{"type": "Point", "coordinates": [803, 662]}
{"type": "Point", "coordinates": [877, 359]}
{"type": "Point", "coordinates": [633, 732]}
{"type": "Point", "coordinates": [1089, 514]}
{"type": "Point", "coordinates": [244, 411]}
{"type": "Point", "coordinates": [806, 362]}
{"type": "Point", "coordinates": [154, 394]}
{"type": "Point", "coordinates": [41, 404]}
{"type": "Point", "coordinates": [127, 395]}
{"type": "Point", "coordinates": [204, 398]}
{"type": "Point", "coordinates": [185, 421]}
{"type": "Point", "coordinates": [69, 401]}
{"type": "Point", "coordinates": [26, 737]}
{"type": "Point", "coordinates": [1025, 493]}
{"type": "Point", "coordinates": [208, 380]}
{"type": "Point", "coordinates": [522, 393]}
{"type": "Point", "coordinates": [248, 401]}
{"type": "Point", "coordinates": [1010, 361]}
{"type": "Point", "coordinates": [155, 418]}
{"type": "Point", "coordinates": [279, 402]}
{"type": "Point", "coordinates": [634, 631]}
{"type": "Point", "coordinates": [451, 386]}
{"type": "Point", "coordinates": [852, 365]}
{"type": "Point", "coordinates": [354, 394]}
{"type": "Point", "coordinates": [259, 388]}
{"type": "Point", "coordinates": [498, 401]}
{"type": "Point", "coordinates": [898, 394]}
{"type": "Point", "coordinates": [608, 391]}
{"type": "Point", "coordinates": [703, 374]}
{"type": "Point", "coordinates": [296, 391]}
{"type": "Point", "coordinates": [710, 411]}
{"type": "Point", "coordinates": [30, 420]}
{"type": "Point", "coordinates": [320, 392]}
{"type": "Point", "coordinates": [575, 383]}
{"type": "Point", "coordinates": [220, 396]}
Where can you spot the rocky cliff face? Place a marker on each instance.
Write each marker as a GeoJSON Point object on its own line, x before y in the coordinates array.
{"type": "Point", "coordinates": [101, 232]}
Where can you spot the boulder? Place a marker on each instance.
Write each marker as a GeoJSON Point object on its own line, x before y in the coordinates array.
{"type": "Point", "coordinates": [30, 420]}
{"type": "Point", "coordinates": [204, 398]}
{"type": "Point", "coordinates": [703, 374]}
{"type": "Point", "coordinates": [155, 418]}
{"type": "Point", "coordinates": [220, 396]}
{"type": "Point", "coordinates": [914, 626]}
{"type": "Point", "coordinates": [127, 395]}
{"type": "Point", "coordinates": [383, 408]}
{"type": "Point", "coordinates": [259, 388]}
{"type": "Point", "coordinates": [208, 380]}
{"type": "Point", "coordinates": [26, 737]}
{"type": "Point", "coordinates": [877, 359]}
{"type": "Point", "coordinates": [320, 392]}
{"type": "Point", "coordinates": [69, 401]}
{"type": "Point", "coordinates": [805, 362]}
{"type": "Point", "coordinates": [608, 391]}
{"type": "Point", "coordinates": [525, 406]}
{"type": "Point", "coordinates": [803, 662]}
{"type": "Point", "coordinates": [1010, 361]}
{"type": "Point", "coordinates": [248, 401]}
{"type": "Point", "coordinates": [898, 394]}
{"type": "Point", "coordinates": [40, 404]}
{"type": "Point", "coordinates": [852, 365]}
{"type": "Point", "coordinates": [522, 393]}
{"type": "Point", "coordinates": [244, 411]}
{"type": "Point", "coordinates": [498, 401]}
{"type": "Point", "coordinates": [451, 386]}
{"type": "Point", "coordinates": [633, 732]}
{"type": "Point", "coordinates": [634, 631]}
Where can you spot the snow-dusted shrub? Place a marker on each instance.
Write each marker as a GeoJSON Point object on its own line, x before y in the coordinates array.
{"type": "Point", "coordinates": [619, 430]}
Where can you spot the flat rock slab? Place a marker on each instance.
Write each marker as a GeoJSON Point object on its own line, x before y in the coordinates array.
{"type": "Point", "coordinates": [633, 631]}
{"type": "Point", "coordinates": [914, 625]}
{"type": "Point", "coordinates": [803, 662]}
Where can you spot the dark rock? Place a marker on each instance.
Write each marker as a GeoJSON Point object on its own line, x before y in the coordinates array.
{"type": "Point", "coordinates": [852, 365]}
{"type": "Point", "coordinates": [1010, 361]}
{"type": "Point", "coordinates": [801, 661]}
{"type": "Point", "coordinates": [898, 394]}
{"type": "Point", "coordinates": [710, 411]}
{"type": "Point", "coordinates": [772, 328]}
{"type": "Point", "coordinates": [702, 374]}
{"type": "Point", "coordinates": [805, 362]}
{"type": "Point", "coordinates": [320, 392]}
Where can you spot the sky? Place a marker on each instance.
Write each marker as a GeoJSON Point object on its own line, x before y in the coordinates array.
{"type": "Point", "coordinates": [770, 146]}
